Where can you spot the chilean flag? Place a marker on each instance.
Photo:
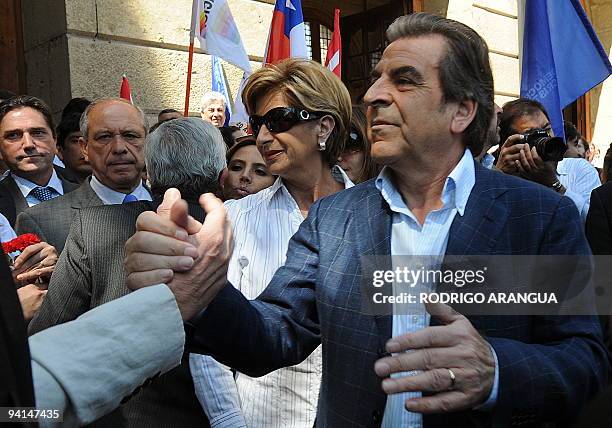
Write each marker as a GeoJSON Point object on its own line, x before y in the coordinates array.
{"type": "Point", "coordinates": [334, 49]}
{"type": "Point", "coordinates": [287, 34]}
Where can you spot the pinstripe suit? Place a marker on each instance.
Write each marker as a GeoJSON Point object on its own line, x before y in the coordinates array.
{"type": "Point", "coordinates": [316, 298]}
{"type": "Point", "coordinates": [51, 220]}
{"type": "Point", "coordinates": [90, 273]}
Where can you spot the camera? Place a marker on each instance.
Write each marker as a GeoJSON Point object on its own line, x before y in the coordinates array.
{"type": "Point", "coordinates": [548, 148]}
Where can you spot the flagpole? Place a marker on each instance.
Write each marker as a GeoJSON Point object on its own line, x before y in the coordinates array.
{"type": "Point", "coordinates": [189, 68]}
{"type": "Point", "coordinates": [194, 25]}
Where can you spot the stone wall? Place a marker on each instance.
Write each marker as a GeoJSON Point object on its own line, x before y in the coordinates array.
{"type": "Point", "coordinates": [149, 41]}
{"type": "Point", "coordinates": [497, 22]}
{"type": "Point", "coordinates": [82, 47]}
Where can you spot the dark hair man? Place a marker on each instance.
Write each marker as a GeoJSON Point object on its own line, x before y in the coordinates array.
{"type": "Point", "coordinates": [574, 141]}
{"type": "Point", "coordinates": [429, 108]}
{"type": "Point", "coordinates": [168, 114]}
{"type": "Point", "coordinates": [28, 145]}
{"type": "Point", "coordinates": [69, 147]}
{"type": "Point", "coordinates": [574, 178]}
{"type": "Point", "coordinates": [75, 106]}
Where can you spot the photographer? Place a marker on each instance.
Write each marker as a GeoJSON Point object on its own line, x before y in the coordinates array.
{"type": "Point", "coordinates": [530, 153]}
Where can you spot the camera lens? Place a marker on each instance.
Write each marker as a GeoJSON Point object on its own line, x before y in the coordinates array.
{"type": "Point", "coordinates": [550, 148]}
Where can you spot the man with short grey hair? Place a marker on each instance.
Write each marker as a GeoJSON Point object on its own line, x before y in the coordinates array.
{"type": "Point", "coordinates": [185, 153]}
{"type": "Point", "coordinates": [213, 108]}
{"type": "Point", "coordinates": [113, 140]}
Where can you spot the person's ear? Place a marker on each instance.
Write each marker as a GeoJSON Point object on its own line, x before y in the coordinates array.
{"type": "Point", "coordinates": [83, 145]}
{"type": "Point", "coordinates": [326, 126]}
{"type": "Point", "coordinates": [464, 114]}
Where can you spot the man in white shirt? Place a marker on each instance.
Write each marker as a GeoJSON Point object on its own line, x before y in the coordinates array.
{"type": "Point", "coordinates": [28, 145]}
{"type": "Point", "coordinates": [113, 140]}
{"type": "Point", "coordinates": [572, 177]}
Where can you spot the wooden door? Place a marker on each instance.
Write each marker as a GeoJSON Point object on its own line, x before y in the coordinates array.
{"type": "Point", "coordinates": [11, 47]}
{"type": "Point", "coordinates": [363, 41]}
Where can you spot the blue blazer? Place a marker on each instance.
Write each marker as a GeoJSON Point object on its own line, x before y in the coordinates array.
{"type": "Point", "coordinates": [548, 366]}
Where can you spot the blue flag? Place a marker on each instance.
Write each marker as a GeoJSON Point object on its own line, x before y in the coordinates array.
{"type": "Point", "coordinates": [220, 85]}
{"type": "Point", "coordinates": [562, 56]}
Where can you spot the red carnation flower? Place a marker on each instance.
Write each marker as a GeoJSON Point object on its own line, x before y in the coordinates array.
{"type": "Point", "coordinates": [20, 243]}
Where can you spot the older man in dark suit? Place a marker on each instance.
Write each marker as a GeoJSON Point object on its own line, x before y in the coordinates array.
{"type": "Point", "coordinates": [188, 154]}
{"type": "Point", "coordinates": [114, 132]}
{"type": "Point", "coordinates": [28, 146]}
{"type": "Point", "coordinates": [429, 109]}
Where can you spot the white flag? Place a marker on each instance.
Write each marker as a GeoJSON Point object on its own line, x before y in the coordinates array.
{"type": "Point", "coordinates": [240, 115]}
{"type": "Point", "coordinates": [213, 24]}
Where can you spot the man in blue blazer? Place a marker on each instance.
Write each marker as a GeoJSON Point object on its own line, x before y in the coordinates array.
{"type": "Point", "coordinates": [429, 108]}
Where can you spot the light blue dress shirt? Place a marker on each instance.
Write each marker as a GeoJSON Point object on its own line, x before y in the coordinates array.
{"type": "Point", "coordinates": [112, 197]}
{"type": "Point", "coordinates": [579, 178]}
{"type": "Point", "coordinates": [26, 187]}
{"type": "Point", "coordinates": [408, 237]}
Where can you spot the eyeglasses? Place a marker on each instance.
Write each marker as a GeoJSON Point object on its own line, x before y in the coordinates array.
{"type": "Point", "coordinates": [281, 119]}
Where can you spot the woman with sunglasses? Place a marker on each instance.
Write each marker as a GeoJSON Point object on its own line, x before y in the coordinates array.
{"type": "Point", "coordinates": [355, 159]}
{"type": "Point", "coordinates": [300, 115]}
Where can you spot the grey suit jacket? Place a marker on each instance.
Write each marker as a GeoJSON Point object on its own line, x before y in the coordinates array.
{"type": "Point", "coordinates": [79, 368]}
{"type": "Point", "coordinates": [51, 220]}
{"type": "Point", "coordinates": [12, 201]}
{"type": "Point", "coordinates": [90, 273]}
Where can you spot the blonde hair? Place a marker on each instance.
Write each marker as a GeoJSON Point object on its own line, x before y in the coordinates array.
{"type": "Point", "coordinates": [308, 85]}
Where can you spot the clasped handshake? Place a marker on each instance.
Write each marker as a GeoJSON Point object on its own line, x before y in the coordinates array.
{"type": "Point", "coordinates": [173, 248]}
{"type": "Point", "coordinates": [452, 360]}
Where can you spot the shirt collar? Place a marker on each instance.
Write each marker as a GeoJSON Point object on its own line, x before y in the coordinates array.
{"type": "Point", "coordinates": [337, 172]}
{"type": "Point", "coordinates": [110, 196]}
{"type": "Point", "coordinates": [562, 167]}
{"type": "Point", "coordinates": [26, 186]}
{"type": "Point", "coordinates": [456, 192]}
{"type": "Point", "coordinates": [487, 161]}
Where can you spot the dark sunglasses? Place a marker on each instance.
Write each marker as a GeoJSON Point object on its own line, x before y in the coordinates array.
{"type": "Point", "coordinates": [281, 119]}
{"type": "Point", "coordinates": [353, 142]}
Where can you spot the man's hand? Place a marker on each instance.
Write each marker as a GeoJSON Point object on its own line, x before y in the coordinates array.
{"type": "Point", "coordinates": [433, 351]}
{"type": "Point", "coordinates": [172, 247]}
{"type": "Point", "coordinates": [531, 166]}
{"type": "Point", "coordinates": [36, 261]}
{"type": "Point", "coordinates": [30, 297]}
{"type": "Point", "coordinates": [509, 153]}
